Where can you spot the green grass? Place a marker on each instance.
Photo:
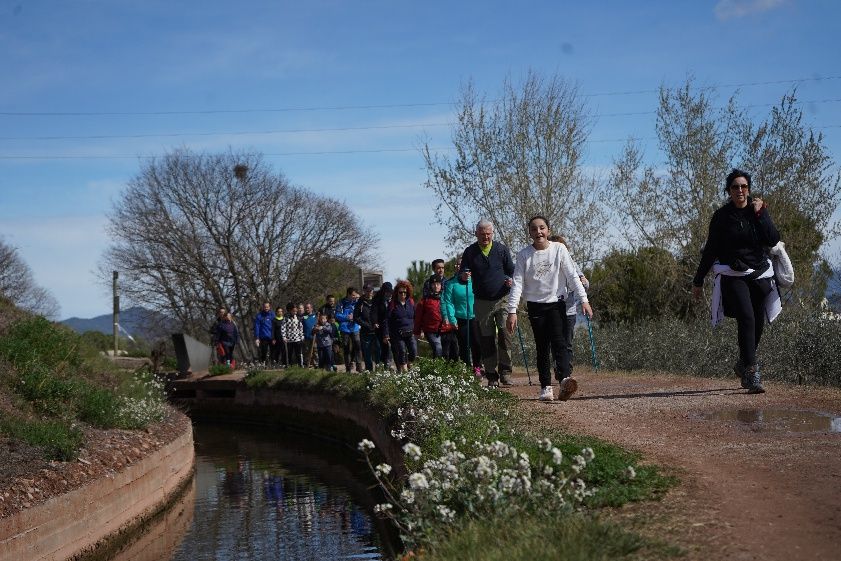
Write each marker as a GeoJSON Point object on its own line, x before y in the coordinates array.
{"type": "Point", "coordinates": [59, 440]}
{"type": "Point", "coordinates": [529, 538]}
{"type": "Point", "coordinates": [351, 386]}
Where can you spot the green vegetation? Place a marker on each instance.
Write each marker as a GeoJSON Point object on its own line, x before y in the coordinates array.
{"type": "Point", "coordinates": [52, 384]}
{"type": "Point", "coordinates": [531, 538]}
{"type": "Point", "coordinates": [219, 369]}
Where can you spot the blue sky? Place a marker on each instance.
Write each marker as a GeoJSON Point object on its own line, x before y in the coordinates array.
{"type": "Point", "coordinates": [132, 72]}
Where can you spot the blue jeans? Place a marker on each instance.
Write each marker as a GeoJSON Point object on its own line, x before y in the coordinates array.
{"type": "Point", "coordinates": [369, 347]}
{"type": "Point", "coordinates": [404, 348]}
{"type": "Point", "coordinates": [435, 342]}
{"type": "Point", "coordinates": [325, 358]}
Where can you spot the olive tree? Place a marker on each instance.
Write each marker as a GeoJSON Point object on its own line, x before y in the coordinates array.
{"type": "Point", "coordinates": [18, 285]}
{"type": "Point", "coordinates": [516, 156]}
{"type": "Point", "coordinates": [192, 232]}
{"type": "Point", "coordinates": [669, 205]}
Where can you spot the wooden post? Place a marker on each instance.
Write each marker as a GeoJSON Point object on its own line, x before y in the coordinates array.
{"type": "Point", "coordinates": [116, 313]}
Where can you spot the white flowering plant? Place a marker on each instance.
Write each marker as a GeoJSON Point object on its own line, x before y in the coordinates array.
{"type": "Point", "coordinates": [141, 401]}
{"type": "Point", "coordinates": [478, 479]}
{"type": "Point", "coordinates": [464, 457]}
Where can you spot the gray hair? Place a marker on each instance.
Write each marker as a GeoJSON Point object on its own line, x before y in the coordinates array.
{"type": "Point", "coordinates": [484, 223]}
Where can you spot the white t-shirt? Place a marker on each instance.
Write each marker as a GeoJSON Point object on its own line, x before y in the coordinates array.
{"type": "Point", "coordinates": [545, 276]}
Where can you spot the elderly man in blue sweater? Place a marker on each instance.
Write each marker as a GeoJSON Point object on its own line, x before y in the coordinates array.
{"type": "Point", "coordinates": [489, 264]}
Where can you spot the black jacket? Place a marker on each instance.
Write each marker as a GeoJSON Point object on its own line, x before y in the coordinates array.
{"type": "Point", "coordinates": [489, 273]}
{"type": "Point", "coordinates": [738, 237]}
{"type": "Point", "coordinates": [363, 315]}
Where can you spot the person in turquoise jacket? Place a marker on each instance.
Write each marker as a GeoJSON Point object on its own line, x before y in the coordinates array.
{"type": "Point", "coordinates": [457, 309]}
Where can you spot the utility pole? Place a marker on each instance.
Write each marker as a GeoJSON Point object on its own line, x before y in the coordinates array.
{"type": "Point", "coordinates": [116, 313]}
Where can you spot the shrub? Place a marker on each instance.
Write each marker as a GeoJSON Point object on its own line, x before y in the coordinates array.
{"type": "Point", "coordinates": [798, 347]}
{"type": "Point", "coordinates": [36, 340]}
{"type": "Point", "coordinates": [219, 369]}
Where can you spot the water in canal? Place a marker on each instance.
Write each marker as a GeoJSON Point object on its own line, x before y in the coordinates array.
{"type": "Point", "coordinates": [260, 494]}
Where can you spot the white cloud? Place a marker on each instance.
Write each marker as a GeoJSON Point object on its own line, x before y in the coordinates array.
{"type": "Point", "coordinates": [732, 9]}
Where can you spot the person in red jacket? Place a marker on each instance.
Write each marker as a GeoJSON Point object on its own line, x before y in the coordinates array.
{"type": "Point", "coordinates": [430, 321]}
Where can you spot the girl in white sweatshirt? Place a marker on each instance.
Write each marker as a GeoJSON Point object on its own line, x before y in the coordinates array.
{"type": "Point", "coordinates": [544, 272]}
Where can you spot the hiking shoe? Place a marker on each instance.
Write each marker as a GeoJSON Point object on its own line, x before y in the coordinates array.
{"type": "Point", "coordinates": [493, 383]}
{"type": "Point", "coordinates": [546, 394]}
{"type": "Point", "coordinates": [753, 376]}
{"type": "Point", "coordinates": [568, 387]}
{"type": "Point", "coordinates": [505, 380]}
{"type": "Point", "coordinates": [741, 372]}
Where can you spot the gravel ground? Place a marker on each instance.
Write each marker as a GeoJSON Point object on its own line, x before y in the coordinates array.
{"type": "Point", "coordinates": [26, 479]}
{"type": "Point", "coordinates": [760, 475]}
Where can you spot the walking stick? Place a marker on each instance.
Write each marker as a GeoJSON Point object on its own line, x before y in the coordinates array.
{"type": "Point", "coordinates": [523, 349]}
{"type": "Point", "coordinates": [592, 343]}
{"type": "Point", "coordinates": [467, 307]}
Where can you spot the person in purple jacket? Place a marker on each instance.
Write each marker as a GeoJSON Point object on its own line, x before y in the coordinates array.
{"type": "Point", "coordinates": [401, 326]}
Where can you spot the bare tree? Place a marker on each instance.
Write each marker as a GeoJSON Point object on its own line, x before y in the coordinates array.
{"type": "Point", "coordinates": [669, 206]}
{"type": "Point", "coordinates": [518, 156]}
{"type": "Point", "coordinates": [196, 231]}
{"type": "Point", "coordinates": [18, 285]}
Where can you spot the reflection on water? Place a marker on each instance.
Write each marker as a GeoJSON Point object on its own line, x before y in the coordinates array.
{"type": "Point", "coordinates": [780, 419]}
{"type": "Point", "coordinates": [259, 496]}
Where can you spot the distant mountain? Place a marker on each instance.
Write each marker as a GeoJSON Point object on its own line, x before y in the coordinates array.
{"type": "Point", "coordinates": [136, 321]}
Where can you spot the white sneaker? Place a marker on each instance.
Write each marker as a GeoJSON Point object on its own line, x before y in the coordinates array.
{"type": "Point", "coordinates": [546, 394]}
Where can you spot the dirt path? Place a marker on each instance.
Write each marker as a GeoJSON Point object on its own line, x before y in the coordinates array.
{"type": "Point", "coordinates": [762, 481]}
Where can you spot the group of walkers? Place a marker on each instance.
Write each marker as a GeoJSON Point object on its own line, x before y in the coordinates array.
{"type": "Point", "coordinates": [473, 315]}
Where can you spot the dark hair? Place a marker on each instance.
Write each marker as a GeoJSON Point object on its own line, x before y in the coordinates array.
{"type": "Point", "coordinates": [734, 173]}
{"type": "Point", "coordinates": [350, 290]}
{"type": "Point", "coordinates": [540, 216]}
{"type": "Point", "coordinates": [290, 306]}
{"type": "Point", "coordinates": [438, 261]}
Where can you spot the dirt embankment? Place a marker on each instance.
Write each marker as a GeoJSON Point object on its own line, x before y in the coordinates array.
{"type": "Point", "coordinates": [760, 474]}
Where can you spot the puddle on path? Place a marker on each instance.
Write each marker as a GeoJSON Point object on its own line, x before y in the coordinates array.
{"type": "Point", "coordinates": [779, 419]}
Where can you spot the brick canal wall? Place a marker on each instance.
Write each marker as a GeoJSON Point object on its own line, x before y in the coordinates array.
{"type": "Point", "coordinates": [78, 523]}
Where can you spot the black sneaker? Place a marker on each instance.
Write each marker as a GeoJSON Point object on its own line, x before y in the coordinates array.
{"type": "Point", "coordinates": [493, 383]}
{"type": "Point", "coordinates": [753, 377]}
{"type": "Point", "coordinates": [742, 373]}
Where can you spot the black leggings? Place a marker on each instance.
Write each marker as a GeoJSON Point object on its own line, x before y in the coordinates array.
{"type": "Point", "coordinates": [548, 322]}
{"type": "Point", "coordinates": [744, 300]}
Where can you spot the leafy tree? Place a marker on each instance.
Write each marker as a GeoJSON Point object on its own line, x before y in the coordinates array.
{"type": "Point", "coordinates": [633, 285]}
{"type": "Point", "coordinates": [517, 156]}
{"type": "Point", "coordinates": [192, 232]}
{"type": "Point", "coordinates": [418, 273]}
{"type": "Point", "coordinates": [669, 206]}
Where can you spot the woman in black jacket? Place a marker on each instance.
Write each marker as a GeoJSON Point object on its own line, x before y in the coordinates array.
{"type": "Point", "coordinates": [740, 234]}
{"type": "Point", "coordinates": [379, 319]}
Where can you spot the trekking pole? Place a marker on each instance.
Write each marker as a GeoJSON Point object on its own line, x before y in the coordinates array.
{"type": "Point", "coordinates": [592, 343]}
{"type": "Point", "coordinates": [467, 324]}
{"type": "Point", "coordinates": [523, 348]}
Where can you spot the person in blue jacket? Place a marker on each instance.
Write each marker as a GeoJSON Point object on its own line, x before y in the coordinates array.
{"type": "Point", "coordinates": [349, 329]}
{"type": "Point", "coordinates": [263, 331]}
{"type": "Point", "coordinates": [309, 320]}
